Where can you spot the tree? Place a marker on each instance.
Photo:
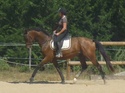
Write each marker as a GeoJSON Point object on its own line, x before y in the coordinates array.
{"type": "Point", "coordinates": [102, 20]}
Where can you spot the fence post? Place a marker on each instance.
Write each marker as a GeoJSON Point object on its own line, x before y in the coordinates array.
{"type": "Point", "coordinates": [101, 59]}
{"type": "Point", "coordinates": [30, 50]}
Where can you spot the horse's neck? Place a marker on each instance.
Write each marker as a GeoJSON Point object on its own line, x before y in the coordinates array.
{"type": "Point", "coordinates": [42, 39]}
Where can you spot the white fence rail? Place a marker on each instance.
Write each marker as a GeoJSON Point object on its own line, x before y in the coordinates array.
{"type": "Point", "coordinates": [19, 45]}
{"type": "Point", "coordinates": [75, 63]}
{"type": "Point", "coordinates": [70, 63]}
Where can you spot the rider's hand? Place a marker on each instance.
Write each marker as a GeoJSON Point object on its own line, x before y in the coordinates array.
{"type": "Point", "coordinates": [54, 32]}
{"type": "Point", "coordinates": [57, 34]}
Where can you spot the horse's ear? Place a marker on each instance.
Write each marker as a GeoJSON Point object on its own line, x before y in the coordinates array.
{"type": "Point", "coordinates": [26, 31]}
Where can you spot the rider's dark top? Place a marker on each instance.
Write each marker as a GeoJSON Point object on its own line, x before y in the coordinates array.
{"type": "Point", "coordinates": [60, 24]}
{"type": "Point", "coordinates": [63, 34]}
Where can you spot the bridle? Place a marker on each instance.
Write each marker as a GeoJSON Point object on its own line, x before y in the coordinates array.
{"type": "Point", "coordinates": [29, 38]}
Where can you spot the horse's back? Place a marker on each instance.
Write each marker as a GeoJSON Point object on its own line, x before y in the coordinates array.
{"type": "Point", "coordinates": [83, 42]}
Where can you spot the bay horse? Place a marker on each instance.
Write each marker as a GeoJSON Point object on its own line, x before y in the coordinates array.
{"type": "Point", "coordinates": [82, 47]}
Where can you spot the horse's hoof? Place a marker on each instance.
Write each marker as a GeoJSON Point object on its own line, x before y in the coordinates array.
{"type": "Point", "coordinates": [63, 82]}
{"type": "Point", "coordinates": [104, 81]}
{"type": "Point", "coordinates": [74, 80]}
{"type": "Point", "coordinates": [31, 80]}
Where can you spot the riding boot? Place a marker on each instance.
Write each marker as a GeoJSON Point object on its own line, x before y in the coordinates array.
{"type": "Point", "coordinates": [55, 46]}
{"type": "Point", "coordinates": [59, 53]}
{"type": "Point", "coordinates": [60, 46]}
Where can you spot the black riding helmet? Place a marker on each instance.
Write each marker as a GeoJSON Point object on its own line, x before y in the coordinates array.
{"type": "Point", "coordinates": [62, 10]}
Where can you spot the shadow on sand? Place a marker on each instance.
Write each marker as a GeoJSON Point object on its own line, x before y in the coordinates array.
{"type": "Point", "coordinates": [40, 82]}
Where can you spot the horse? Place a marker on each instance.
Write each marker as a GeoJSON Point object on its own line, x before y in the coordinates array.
{"type": "Point", "coordinates": [83, 48]}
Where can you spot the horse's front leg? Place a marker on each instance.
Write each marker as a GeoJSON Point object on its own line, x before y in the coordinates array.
{"type": "Point", "coordinates": [59, 71]}
{"type": "Point", "coordinates": [34, 73]}
{"type": "Point", "coordinates": [44, 61]}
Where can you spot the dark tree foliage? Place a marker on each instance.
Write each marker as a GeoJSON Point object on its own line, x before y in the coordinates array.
{"type": "Point", "coordinates": [103, 20]}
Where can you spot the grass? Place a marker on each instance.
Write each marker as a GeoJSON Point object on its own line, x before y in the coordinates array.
{"type": "Point", "coordinates": [22, 73]}
{"type": "Point", "coordinates": [14, 75]}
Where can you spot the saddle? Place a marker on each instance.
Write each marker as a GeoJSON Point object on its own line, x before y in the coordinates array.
{"type": "Point", "coordinates": [66, 43]}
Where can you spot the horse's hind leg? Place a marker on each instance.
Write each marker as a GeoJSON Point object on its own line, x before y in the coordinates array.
{"type": "Point", "coordinates": [94, 61]}
{"type": "Point", "coordinates": [92, 57]}
{"type": "Point", "coordinates": [83, 64]}
{"type": "Point", "coordinates": [101, 71]}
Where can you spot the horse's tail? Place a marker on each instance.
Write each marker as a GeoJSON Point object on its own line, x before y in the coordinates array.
{"type": "Point", "coordinates": [105, 56]}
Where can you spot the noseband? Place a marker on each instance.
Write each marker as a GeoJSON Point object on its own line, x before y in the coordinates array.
{"type": "Point", "coordinates": [29, 38]}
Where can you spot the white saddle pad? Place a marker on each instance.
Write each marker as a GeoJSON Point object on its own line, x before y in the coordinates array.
{"type": "Point", "coordinates": [66, 44]}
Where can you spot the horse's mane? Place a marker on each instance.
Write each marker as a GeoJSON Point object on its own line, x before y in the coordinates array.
{"type": "Point", "coordinates": [37, 29]}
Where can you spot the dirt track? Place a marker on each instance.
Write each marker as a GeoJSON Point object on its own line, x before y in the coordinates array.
{"type": "Point", "coordinates": [81, 86]}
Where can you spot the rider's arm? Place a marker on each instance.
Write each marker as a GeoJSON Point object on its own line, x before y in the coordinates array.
{"type": "Point", "coordinates": [64, 28]}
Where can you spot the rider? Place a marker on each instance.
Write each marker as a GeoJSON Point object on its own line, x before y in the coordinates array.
{"type": "Point", "coordinates": [60, 32]}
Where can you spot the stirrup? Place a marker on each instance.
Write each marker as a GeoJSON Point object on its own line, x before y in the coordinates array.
{"type": "Point", "coordinates": [59, 55]}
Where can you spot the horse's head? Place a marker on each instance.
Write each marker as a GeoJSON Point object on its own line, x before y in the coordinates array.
{"type": "Point", "coordinates": [28, 37]}
{"type": "Point", "coordinates": [35, 34]}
